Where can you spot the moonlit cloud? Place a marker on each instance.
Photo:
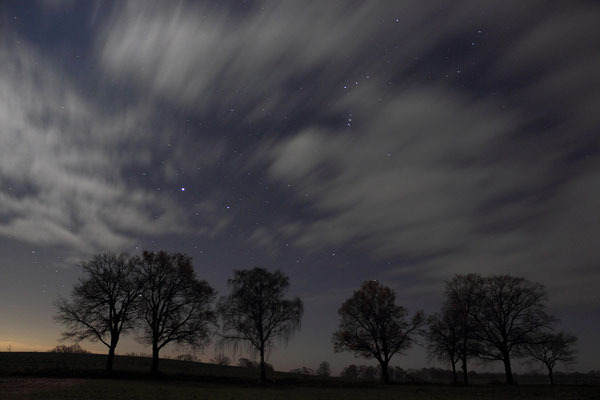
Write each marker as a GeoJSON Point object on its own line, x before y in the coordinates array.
{"type": "Point", "coordinates": [63, 161]}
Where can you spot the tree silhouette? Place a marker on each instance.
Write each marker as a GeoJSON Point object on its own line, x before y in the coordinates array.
{"type": "Point", "coordinates": [443, 339]}
{"type": "Point", "coordinates": [459, 310]}
{"type": "Point", "coordinates": [368, 372]}
{"type": "Point", "coordinates": [373, 326]}
{"type": "Point", "coordinates": [324, 369]}
{"type": "Point", "coordinates": [220, 359]}
{"type": "Point", "coordinates": [102, 302]}
{"type": "Point", "coordinates": [350, 372]}
{"type": "Point", "coordinates": [302, 371]}
{"type": "Point", "coordinates": [250, 364]}
{"type": "Point", "coordinates": [186, 357]}
{"type": "Point", "coordinates": [256, 313]}
{"type": "Point", "coordinates": [174, 306]}
{"type": "Point", "coordinates": [549, 348]}
{"type": "Point", "coordinates": [510, 312]}
{"type": "Point", "coordinates": [72, 349]}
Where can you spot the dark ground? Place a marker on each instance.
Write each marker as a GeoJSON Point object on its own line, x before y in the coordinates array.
{"type": "Point", "coordinates": [80, 376]}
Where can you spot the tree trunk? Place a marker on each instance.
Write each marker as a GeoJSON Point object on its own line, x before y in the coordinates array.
{"type": "Point", "coordinates": [465, 372]}
{"type": "Point", "coordinates": [508, 370]}
{"type": "Point", "coordinates": [385, 376]}
{"type": "Point", "coordinates": [111, 357]}
{"type": "Point", "coordinates": [154, 369]}
{"type": "Point", "coordinates": [550, 376]}
{"type": "Point", "coordinates": [263, 369]}
{"type": "Point", "coordinates": [114, 339]}
{"type": "Point", "coordinates": [454, 377]}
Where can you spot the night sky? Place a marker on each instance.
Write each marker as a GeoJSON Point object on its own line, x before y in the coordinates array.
{"type": "Point", "coordinates": [339, 141]}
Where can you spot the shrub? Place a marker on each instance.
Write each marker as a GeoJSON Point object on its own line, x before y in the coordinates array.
{"type": "Point", "coordinates": [72, 349]}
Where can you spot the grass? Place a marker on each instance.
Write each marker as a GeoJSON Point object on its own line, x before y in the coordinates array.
{"type": "Point", "coordinates": [80, 376]}
{"type": "Point", "coordinates": [92, 365]}
{"type": "Point", "coordinates": [148, 390]}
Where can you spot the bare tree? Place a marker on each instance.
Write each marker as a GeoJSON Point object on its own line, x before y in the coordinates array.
{"type": "Point", "coordinates": [250, 364]}
{"type": "Point", "coordinates": [102, 302]}
{"type": "Point", "coordinates": [549, 348]}
{"type": "Point", "coordinates": [245, 363]}
{"type": "Point", "coordinates": [220, 359]}
{"type": "Point", "coordinates": [174, 306]}
{"type": "Point", "coordinates": [256, 313]}
{"type": "Point", "coordinates": [186, 357]}
{"type": "Point", "coordinates": [373, 326]}
{"type": "Point", "coordinates": [75, 348]}
{"type": "Point", "coordinates": [443, 339]}
{"type": "Point", "coordinates": [510, 312]}
{"type": "Point", "coordinates": [459, 310]}
{"type": "Point", "coordinates": [324, 369]}
{"type": "Point", "coordinates": [368, 372]}
{"type": "Point", "coordinates": [350, 372]}
{"type": "Point", "coordinates": [302, 371]}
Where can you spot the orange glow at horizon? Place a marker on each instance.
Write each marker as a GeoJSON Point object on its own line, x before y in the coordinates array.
{"type": "Point", "coordinates": [15, 345]}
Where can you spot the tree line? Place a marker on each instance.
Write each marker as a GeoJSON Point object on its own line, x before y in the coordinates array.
{"type": "Point", "coordinates": [495, 318]}
{"type": "Point", "coordinates": [158, 297]}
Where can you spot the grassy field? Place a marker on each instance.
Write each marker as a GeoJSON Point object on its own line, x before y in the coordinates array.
{"type": "Point", "coordinates": [72, 376]}
{"type": "Point", "coordinates": [92, 365]}
{"type": "Point", "coordinates": [97, 389]}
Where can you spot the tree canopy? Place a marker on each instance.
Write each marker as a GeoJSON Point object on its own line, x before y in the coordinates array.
{"type": "Point", "coordinates": [175, 306]}
{"type": "Point", "coordinates": [549, 348]}
{"type": "Point", "coordinates": [324, 369]}
{"type": "Point", "coordinates": [101, 303]}
{"type": "Point", "coordinates": [372, 325]}
{"type": "Point", "coordinates": [256, 312]}
{"type": "Point", "coordinates": [510, 312]}
{"type": "Point", "coordinates": [443, 339]}
{"type": "Point", "coordinates": [459, 310]}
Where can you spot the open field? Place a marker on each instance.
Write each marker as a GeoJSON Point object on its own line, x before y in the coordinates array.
{"type": "Point", "coordinates": [92, 365]}
{"type": "Point", "coordinates": [50, 389]}
{"type": "Point", "coordinates": [80, 376]}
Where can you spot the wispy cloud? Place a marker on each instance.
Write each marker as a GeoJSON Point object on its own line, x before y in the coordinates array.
{"type": "Point", "coordinates": [436, 177]}
{"type": "Point", "coordinates": [480, 158]}
{"type": "Point", "coordinates": [64, 161]}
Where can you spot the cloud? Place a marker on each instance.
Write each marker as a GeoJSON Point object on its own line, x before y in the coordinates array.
{"type": "Point", "coordinates": [441, 179]}
{"type": "Point", "coordinates": [65, 162]}
{"type": "Point", "coordinates": [197, 55]}
{"type": "Point", "coordinates": [558, 58]}
{"type": "Point", "coordinates": [265, 239]}
{"type": "Point", "coordinates": [412, 177]}
{"type": "Point", "coordinates": [269, 56]}
{"type": "Point", "coordinates": [56, 4]}
{"type": "Point", "coordinates": [443, 136]}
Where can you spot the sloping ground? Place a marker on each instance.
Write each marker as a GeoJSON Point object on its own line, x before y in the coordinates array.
{"type": "Point", "coordinates": [87, 365]}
